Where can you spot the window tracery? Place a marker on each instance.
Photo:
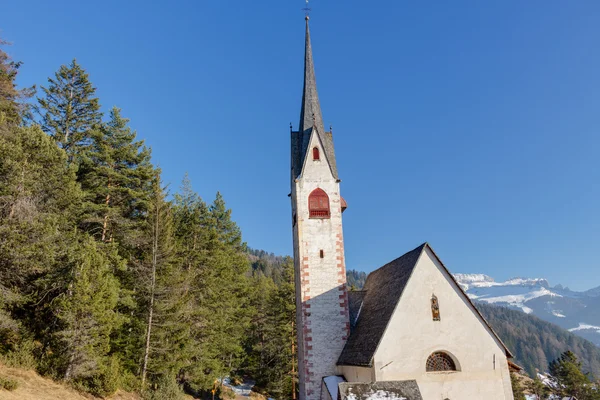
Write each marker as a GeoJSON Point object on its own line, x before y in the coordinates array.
{"type": "Point", "coordinates": [440, 362]}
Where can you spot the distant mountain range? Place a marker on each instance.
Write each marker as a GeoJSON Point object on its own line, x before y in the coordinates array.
{"type": "Point", "coordinates": [578, 312]}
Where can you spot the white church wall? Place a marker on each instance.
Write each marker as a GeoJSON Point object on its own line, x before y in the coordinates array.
{"type": "Point", "coordinates": [412, 336]}
{"type": "Point", "coordinates": [323, 327]}
{"type": "Point", "coordinates": [357, 374]}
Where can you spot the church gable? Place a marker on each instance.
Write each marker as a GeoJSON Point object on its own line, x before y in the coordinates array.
{"type": "Point", "coordinates": [382, 291]}
{"type": "Point", "coordinates": [381, 303]}
{"type": "Point", "coordinates": [435, 327]}
{"type": "Point", "coordinates": [317, 159]}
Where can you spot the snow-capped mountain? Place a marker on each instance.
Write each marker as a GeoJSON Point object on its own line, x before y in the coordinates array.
{"type": "Point", "coordinates": [578, 312]}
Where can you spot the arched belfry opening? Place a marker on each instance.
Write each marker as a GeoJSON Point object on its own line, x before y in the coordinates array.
{"type": "Point", "coordinates": [318, 204]}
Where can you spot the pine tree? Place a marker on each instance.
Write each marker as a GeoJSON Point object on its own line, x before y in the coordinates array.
{"type": "Point", "coordinates": [38, 193]}
{"type": "Point", "coordinates": [227, 293]}
{"type": "Point", "coordinates": [536, 387]}
{"type": "Point", "coordinates": [221, 315]}
{"type": "Point", "coordinates": [86, 311]}
{"type": "Point", "coordinates": [271, 338]}
{"type": "Point", "coordinates": [116, 176]}
{"type": "Point", "coordinates": [282, 346]}
{"type": "Point", "coordinates": [167, 328]}
{"type": "Point", "coordinates": [191, 218]}
{"type": "Point", "coordinates": [570, 380]}
{"type": "Point", "coordinates": [261, 330]}
{"type": "Point", "coordinates": [13, 107]}
{"type": "Point", "coordinates": [517, 388]}
{"type": "Point", "coordinates": [69, 111]}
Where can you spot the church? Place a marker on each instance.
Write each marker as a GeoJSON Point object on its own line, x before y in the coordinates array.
{"type": "Point", "coordinates": [411, 333]}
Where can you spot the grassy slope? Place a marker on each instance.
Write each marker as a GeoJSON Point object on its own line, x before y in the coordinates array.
{"type": "Point", "coordinates": [34, 387]}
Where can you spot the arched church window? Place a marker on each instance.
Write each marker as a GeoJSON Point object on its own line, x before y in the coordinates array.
{"type": "Point", "coordinates": [318, 204]}
{"type": "Point", "coordinates": [316, 155]}
{"type": "Point", "coordinates": [439, 362]}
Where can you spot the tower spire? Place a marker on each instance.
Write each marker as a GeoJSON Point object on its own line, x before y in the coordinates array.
{"type": "Point", "coordinates": [310, 114]}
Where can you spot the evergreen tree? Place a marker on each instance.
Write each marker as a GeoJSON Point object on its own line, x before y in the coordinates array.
{"type": "Point", "coordinates": [537, 388]}
{"type": "Point", "coordinates": [517, 388]}
{"type": "Point", "coordinates": [12, 109]}
{"type": "Point", "coordinates": [283, 341]}
{"type": "Point", "coordinates": [261, 330]}
{"type": "Point", "coordinates": [116, 176]}
{"type": "Point", "coordinates": [38, 193]}
{"type": "Point", "coordinates": [227, 288]}
{"type": "Point", "coordinates": [191, 219]}
{"type": "Point", "coordinates": [69, 111]}
{"type": "Point", "coordinates": [167, 329]}
{"type": "Point", "coordinates": [220, 293]}
{"type": "Point", "coordinates": [271, 339]}
{"type": "Point", "coordinates": [86, 312]}
{"type": "Point", "coordinates": [570, 380]}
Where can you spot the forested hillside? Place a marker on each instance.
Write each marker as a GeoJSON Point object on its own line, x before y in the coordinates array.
{"type": "Point", "coordinates": [356, 279]}
{"type": "Point", "coordinates": [106, 279]}
{"type": "Point", "coordinates": [535, 343]}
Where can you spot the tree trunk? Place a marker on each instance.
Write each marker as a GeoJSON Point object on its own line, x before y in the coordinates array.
{"type": "Point", "coordinates": [152, 288]}
{"type": "Point", "coordinates": [105, 224]}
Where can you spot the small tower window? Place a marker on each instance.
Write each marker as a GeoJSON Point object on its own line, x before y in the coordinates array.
{"type": "Point", "coordinates": [440, 362]}
{"type": "Point", "coordinates": [321, 254]}
{"type": "Point", "coordinates": [318, 204]}
{"type": "Point", "coordinates": [316, 155]}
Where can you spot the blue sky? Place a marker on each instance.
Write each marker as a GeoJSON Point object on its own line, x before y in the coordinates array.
{"type": "Point", "coordinates": [472, 125]}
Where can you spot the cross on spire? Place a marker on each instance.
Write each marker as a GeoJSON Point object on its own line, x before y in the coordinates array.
{"type": "Point", "coordinates": [307, 10]}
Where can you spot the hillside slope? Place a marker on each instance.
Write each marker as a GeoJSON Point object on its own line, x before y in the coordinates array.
{"type": "Point", "coordinates": [535, 342]}
{"type": "Point", "coordinates": [34, 387]}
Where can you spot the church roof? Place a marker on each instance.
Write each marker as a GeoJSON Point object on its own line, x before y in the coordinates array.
{"type": "Point", "coordinates": [408, 390]}
{"type": "Point", "coordinates": [355, 301]}
{"type": "Point", "coordinates": [311, 118]}
{"type": "Point", "coordinates": [383, 290]}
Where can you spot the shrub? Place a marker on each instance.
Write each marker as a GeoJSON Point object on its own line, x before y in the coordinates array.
{"type": "Point", "coordinates": [21, 355]}
{"type": "Point", "coordinates": [104, 383]}
{"type": "Point", "coordinates": [165, 388]}
{"type": "Point", "coordinates": [8, 384]}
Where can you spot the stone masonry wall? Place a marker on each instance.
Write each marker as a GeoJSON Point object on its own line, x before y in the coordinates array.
{"type": "Point", "coordinates": [321, 297]}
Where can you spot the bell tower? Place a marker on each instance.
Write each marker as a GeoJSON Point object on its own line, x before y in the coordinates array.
{"type": "Point", "coordinates": [321, 298]}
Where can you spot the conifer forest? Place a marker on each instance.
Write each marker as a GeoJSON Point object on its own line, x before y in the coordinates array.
{"type": "Point", "coordinates": [108, 280]}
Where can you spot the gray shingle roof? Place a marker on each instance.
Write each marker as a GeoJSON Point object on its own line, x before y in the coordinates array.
{"type": "Point", "coordinates": [383, 288]}
{"type": "Point", "coordinates": [355, 301]}
{"type": "Point", "coordinates": [391, 389]}
{"type": "Point", "coordinates": [311, 118]}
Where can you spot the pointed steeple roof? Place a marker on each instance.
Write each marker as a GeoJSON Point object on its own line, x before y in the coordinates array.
{"type": "Point", "coordinates": [310, 114]}
{"type": "Point", "coordinates": [311, 119]}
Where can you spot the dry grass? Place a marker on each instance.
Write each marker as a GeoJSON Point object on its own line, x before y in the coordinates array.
{"type": "Point", "coordinates": [34, 387]}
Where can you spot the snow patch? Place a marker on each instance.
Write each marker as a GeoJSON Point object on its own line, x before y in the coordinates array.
{"type": "Point", "coordinates": [526, 309]}
{"type": "Point", "coordinates": [376, 395]}
{"type": "Point", "coordinates": [585, 327]}
{"type": "Point", "coordinates": [241, 390]}
{"type": "Point", "coordinates": [517, 300]}
{"type": "Point", "coordinates": [558, 314]}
